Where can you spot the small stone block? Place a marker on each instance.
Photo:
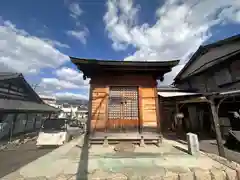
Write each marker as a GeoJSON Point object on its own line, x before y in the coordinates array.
{"type": "Point", "coordinates": [159, 141]}
{"type": "Point", "coordinates": [105, 142]}
{"type": "Point", "coordinates": [202, 175]}
{"type": "Point", "coordinates": [193, 144]}
{"type": "Point", "coordinates": [142, 143]}
{"type": "Point", "coordinates": [186, 176]}
{"type": "Point", "coordinates": [231, 174]}
{"type": "Point", "coordinates": [218, 174]}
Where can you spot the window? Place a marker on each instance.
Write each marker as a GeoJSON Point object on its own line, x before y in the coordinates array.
{"type": "Point", "coordinates": [222, 77]}
{"type": "Point", "coordinates": [54, 124]}
{"type": "Point", "coordinates": [235, 69]}
{"type": "Point", "coordinates": [6, 85]}
{"type": "Point", "coordinates": [6, 124]}
{"type": "Point", "coordinates": [20, 123]}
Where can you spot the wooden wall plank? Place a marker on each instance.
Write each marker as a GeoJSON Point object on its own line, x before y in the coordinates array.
{"type": "Point", "coordinates": [149, 107]}
{"type": "Point", "coordinates": [99, 105]}
{"type": "Point", "coordinates": [140, 113]}
{"type": "Point", "coordinates": [147, 98]}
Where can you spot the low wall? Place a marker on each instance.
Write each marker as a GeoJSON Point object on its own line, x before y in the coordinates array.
{"type": "Point", "coordinates": [23, 124]}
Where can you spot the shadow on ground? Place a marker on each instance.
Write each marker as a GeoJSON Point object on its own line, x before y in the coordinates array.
{"type": "Point", "coordinates": [16, 157]}
{"type": "Point", "coordinates": [82, 172]}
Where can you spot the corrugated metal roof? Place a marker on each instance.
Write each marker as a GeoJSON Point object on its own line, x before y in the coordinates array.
{"type": "Point", "coordinates": [176, 94]}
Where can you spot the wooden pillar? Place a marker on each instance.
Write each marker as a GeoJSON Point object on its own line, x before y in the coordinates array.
{"type": "Point", "coordinates": [140, 109]}
{"type": "Point", "coordinates": [217, 127]}
{"type": "Point", "coordinates": [157, 110]}
{"type": "Point", "coordinates": [89, 109]}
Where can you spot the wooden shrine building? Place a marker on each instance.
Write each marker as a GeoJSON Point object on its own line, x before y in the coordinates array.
{"type": "Point", "coordinates": [123, 100]}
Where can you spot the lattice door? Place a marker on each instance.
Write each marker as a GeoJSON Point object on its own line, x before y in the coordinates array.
{"type": "Point", "coordinates": [130, 103]}
{"type": "Point", "coordinates": [114, 106]}
{"type": "Point", "coordinates": [123, 103]}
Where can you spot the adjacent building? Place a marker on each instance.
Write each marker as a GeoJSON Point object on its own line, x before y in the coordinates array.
{"type": "Point", "coordinates": [213, 69]}
{"type": "Point", "coordinates": [78, 112]}
{"type": "Point", "coordinates": [21, 109]}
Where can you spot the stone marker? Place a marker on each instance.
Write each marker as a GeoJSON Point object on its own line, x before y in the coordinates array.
{"type": "Point", "coordinates": [193, 144]}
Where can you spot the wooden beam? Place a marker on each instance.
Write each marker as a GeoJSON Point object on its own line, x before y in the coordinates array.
{"type": "Point", "coordinates": [89, 109]}
{"type": "Point", "coordinates": [193, 100]}
{"type": "Point", "coordinates": [135, 69]}
{"type": "Point", "coordinates": [217, 127]}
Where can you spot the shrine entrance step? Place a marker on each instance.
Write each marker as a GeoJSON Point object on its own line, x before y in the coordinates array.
{"type": "Point", "coordinates": [135, 138]}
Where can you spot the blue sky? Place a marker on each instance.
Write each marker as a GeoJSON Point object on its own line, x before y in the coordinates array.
{"type": "Point", "coordinates": [36, 37]}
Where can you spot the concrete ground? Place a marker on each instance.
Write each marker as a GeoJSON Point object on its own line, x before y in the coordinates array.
{"type": "Point", "coordinates": [210, 146]}
{"type": "Point", "coordinates": [22, 150]}
{"type": "Point", "coordinates": [77, 160]}
{"type": "Point", "coordinates": [15, 155]}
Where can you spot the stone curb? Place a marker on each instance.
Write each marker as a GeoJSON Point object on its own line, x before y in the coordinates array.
{"type": "Point", "coordinates": [214, 174]}
{"type": "Point", "coordinates": [233, 173]}
{"type": "Point", "coordinates": [224, 161]}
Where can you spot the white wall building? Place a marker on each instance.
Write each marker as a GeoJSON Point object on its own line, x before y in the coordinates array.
{"type": "Point", "coordinates": [73, 111]}
{"type": "Point", "coordinates": [67, 110]}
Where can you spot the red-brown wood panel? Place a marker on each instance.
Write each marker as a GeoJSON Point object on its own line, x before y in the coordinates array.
{"type": "Point", "coordinates": [145, 113]}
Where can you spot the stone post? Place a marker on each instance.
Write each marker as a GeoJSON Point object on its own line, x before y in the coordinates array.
{"type": "Point", "coordinates": [193, 144]}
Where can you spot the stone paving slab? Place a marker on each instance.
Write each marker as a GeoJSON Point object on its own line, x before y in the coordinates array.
{"type": "Point", "coordinates": [74, 162]}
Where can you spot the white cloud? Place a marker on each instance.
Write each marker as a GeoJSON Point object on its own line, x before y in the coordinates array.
{"type": "Point", "coordinates": [56, 43]}
{"type": "Point", "coordinates": [80, 32]}
{"type": "Point", "coordinates": [181, 26]}
{"type": "Point", "coordinates": [69, 95]}
{"type": "Point", "coordinates": [72, 75]}
{"type": "Point", "coordinates": [24, 53]}
{"type": "Point", "coordinates": [75, 10]}
{"type": "Point", "coordinates": [57, 83]}
{"type": "Point", "coordinates": [80, 35]}
{"type": "Point", "coordinates": [66, 80]}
